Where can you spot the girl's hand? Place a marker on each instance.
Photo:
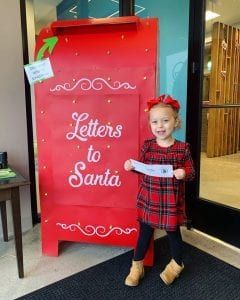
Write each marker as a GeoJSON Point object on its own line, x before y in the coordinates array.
{"type": "Point", "coordinates": [179, 174]}
{"type": "Point", "coordinates": [128, 165]}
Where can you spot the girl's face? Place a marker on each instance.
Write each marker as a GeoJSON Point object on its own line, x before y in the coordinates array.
{"type": "Point", "coordinates": [163, 122]}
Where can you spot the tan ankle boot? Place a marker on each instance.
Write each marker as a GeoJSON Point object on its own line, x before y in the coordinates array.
{"type": "Point", "coordinates": [136, 273]}
{"type": "Point", "coordinates": [171, 272]}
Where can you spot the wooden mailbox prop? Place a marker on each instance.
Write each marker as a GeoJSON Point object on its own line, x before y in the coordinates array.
{"type": "Point", "coordinates": [91, 118]}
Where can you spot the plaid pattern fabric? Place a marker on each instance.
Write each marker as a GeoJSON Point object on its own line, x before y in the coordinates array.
{"type": "Point", "coordinates": [160, 201]}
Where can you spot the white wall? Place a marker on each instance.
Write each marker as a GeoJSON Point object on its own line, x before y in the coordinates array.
{"type": "Point", "coordinates": [13, 126]}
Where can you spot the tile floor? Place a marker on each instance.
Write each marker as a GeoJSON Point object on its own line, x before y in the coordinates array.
{"type": "Point", "coordinates": [42, 270]}
{"type": "Point", "coordinates": [219, 179]}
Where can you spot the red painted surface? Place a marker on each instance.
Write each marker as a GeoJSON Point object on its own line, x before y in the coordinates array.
{"type": "Point", "coordinates": [90, 119]}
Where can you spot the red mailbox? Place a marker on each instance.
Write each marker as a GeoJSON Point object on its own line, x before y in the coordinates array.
{"type": "Point", "coordinates": [90, 119]}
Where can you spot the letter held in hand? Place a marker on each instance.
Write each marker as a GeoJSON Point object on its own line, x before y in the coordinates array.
{"type": "Point", "coordinates": [153, 170]}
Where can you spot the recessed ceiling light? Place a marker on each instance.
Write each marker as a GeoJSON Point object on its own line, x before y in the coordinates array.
{"type": "Point", "coordinates": [210, 15]}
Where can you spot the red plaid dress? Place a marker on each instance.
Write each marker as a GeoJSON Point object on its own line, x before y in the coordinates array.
{"type": "Point", "coordinates": [160, 201]}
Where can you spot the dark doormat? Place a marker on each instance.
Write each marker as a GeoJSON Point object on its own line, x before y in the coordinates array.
{"type": "Point", "coordinates": [204, 278]}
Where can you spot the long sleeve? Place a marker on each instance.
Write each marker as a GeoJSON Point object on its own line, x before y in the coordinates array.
{"type": "Point", "coordinates": [144, 149]}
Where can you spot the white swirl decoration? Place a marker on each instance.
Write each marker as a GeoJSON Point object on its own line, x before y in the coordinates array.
{"type": "Point", "coordinates": [101, 231]}
{"type": "Point", "coordinates": [96, 84]}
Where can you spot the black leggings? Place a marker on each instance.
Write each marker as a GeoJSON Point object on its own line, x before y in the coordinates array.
{"type": "Point", "coordinates": [144, 239]}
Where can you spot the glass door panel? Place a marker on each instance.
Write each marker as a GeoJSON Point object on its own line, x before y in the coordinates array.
{"type": "Point", "coordinates": [220, 137]}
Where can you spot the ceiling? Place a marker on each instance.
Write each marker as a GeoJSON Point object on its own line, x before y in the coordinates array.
{"type": "Point", "coordinates": [229, 11]}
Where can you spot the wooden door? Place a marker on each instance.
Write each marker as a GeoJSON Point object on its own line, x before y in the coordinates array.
{"type": "Point", "coordinates": [224, 120]}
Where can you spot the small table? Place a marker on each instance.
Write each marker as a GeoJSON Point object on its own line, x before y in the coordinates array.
{"type": "Point", "coordinates": [9, 190]}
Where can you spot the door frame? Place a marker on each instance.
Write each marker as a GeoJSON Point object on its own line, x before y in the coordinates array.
{"type": "Point", "coordinates": [217, 220]}
{"type": "Point", "coordinates": [31, 159]}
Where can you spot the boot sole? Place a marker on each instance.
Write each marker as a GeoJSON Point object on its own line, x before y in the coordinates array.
{"type": "Point", "coordinates": [167, 282]}
{"type": "Point", "coordinates": [133, 284]}
{"type": "Point", "coordinates": [163, 279]}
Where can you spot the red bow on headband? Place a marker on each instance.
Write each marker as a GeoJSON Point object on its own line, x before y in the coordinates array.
{"type": "Point", "coordinates": [166, 99]}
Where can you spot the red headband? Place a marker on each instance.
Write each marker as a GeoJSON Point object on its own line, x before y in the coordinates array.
{"type": "Point", "coordinates": [166, 99]}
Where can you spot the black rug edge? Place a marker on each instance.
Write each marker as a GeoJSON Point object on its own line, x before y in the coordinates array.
{"type": "Point", "coordinates": [124, 254]}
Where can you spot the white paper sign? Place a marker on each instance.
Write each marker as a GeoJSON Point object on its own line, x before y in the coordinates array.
{"type": "Point", "coordinates": [153, 170]}
{"type": "Point", "coordinates": [39, 70]}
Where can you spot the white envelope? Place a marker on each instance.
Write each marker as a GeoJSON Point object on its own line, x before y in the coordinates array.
{"type": "Point", "coordinates": [153, 170]}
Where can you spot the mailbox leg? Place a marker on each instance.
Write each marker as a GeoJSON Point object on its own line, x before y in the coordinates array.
{"type": "Point", "coordinates": [49, 246]}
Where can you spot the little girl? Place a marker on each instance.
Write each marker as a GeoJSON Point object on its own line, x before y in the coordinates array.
{"type": "Point", "coordinates": [160, 200]}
